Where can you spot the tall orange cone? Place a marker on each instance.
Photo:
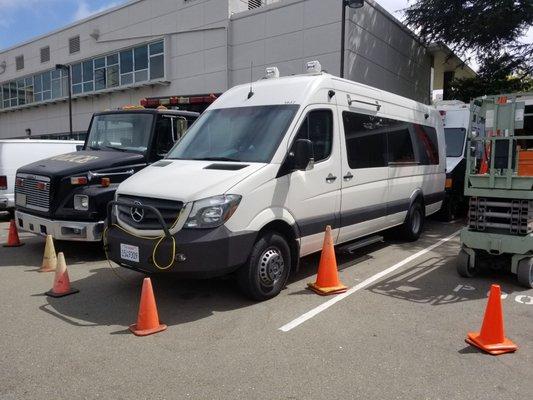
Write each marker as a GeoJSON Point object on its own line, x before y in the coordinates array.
{"type": "Point", "coordinates": [13, 236]}
{"type": "Point", "coordinates": [62, 286]}
{"type": "Point", "coordinates": [327, 281]}
{"type": "Point", "coordinates": [492, 337]}
{"type": "Point", "coordinates": [147, 319]}
{"type": "Point", "coordinates": [49, 259]}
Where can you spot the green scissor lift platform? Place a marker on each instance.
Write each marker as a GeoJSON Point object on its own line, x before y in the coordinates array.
{"type": "Point", "coordinates": [499, 184]}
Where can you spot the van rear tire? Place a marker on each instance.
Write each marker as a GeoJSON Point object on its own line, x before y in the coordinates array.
{"type": "Point", "coordinates": [266, 272]}
{"type": "Point", "coordinates": [414, 223]}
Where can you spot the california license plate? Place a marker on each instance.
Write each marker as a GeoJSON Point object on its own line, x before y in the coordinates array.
{"type": "Point", "coordinates": [129, 252]}
{"type": "Point", "coordinates": [20, 199]}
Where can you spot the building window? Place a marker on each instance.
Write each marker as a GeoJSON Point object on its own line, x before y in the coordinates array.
{"type": "Point", "coordinates": [19, 62]}
{"type": "Point", "coordinates": [127, 67]}
{"type": "Point", "coordinates": [45, 54]}
{"type": "Point", "coordinates": [74, 45]}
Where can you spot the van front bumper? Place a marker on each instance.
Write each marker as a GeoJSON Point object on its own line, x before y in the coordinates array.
{"type": "Point", "coordinates": [199, 253]}
{"type": "Point", "coordinates": [60, 230]}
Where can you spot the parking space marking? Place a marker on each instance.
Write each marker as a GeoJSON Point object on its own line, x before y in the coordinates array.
{"type": "Point", "coordinates": [324, 306]}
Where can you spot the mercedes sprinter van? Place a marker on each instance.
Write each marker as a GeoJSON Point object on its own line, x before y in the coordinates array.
{"type": "Point", "coordinates": [252, 185]}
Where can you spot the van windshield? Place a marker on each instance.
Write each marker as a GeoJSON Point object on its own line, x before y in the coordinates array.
{"type": "Point", "coordinates": [455, 140]}
{"type": "Point", "coordinates": [121, 132]}
{"type": "Point", "coordinates": [248, 134]}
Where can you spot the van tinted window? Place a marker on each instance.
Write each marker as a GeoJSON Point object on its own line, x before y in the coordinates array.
{"type": "Point", "coordinates": [400, 145]}
{"type": "Point", "coordinates": [366, 140]}
{"type": "Point", "coordinates": [318, 128]}
{"type": "Point", "coordinates": [428, 146]}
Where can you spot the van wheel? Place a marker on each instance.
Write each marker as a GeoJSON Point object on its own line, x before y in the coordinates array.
{"type": "Point", "coordinates": [525, 272]}
{"type": "Point", "coordinates": [414, 223]}
{"type": "Point", "coordinates": [267, 269]}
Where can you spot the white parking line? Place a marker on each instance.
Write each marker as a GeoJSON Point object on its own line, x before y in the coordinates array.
{"type": "Point", "coordinates": [324, 306]}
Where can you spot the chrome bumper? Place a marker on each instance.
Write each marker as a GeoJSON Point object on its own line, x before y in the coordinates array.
{"type": "Point", "coordinates": [60, 230]}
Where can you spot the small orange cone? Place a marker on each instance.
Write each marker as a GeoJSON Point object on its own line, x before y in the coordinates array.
{"type": "Point", "coordinates": [49, 259]}
{"type": "Point", "coordinates": [147, 319]}
{"type": "Point", "coordinates": [492, 337]}
{"type": "Point", "coordinates": [327, 281]}
{"type": "Point", "coordinates": [62, 286]}
{"type": "Point", "coordinates": [13, 236]}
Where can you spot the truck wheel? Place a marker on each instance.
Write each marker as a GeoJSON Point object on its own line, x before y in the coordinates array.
{"type": "Point", "coordinates": [414, 223]}
{"type": "Point", "coordinates": [525, 273]}
{"type": "Point", "coordinates": [267, 269]}
{"type": "Point", "coordinates": [463, 265]}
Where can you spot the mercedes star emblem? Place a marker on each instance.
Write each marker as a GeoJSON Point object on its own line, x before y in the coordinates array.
{"type": "Point", "coordinates": [137, 212]}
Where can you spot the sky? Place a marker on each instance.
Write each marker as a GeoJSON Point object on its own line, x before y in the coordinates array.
{"type": "Point", "coordinates": [21, 20]}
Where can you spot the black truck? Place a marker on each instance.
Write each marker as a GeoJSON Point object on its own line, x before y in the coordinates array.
{"type": "Point", "coordinates": [66, 196]}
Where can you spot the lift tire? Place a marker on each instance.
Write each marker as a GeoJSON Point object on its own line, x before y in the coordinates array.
{"type": "Point", "coordinates": [524, 273]}
{"type": "Point", "coordinates": [463, 265]}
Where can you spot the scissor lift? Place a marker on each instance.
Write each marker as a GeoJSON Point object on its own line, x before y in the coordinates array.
{"type": "Point", "coordinates": [499, 234]}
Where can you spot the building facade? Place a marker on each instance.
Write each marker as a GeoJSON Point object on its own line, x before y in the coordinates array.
{"type": "Point", "coordinates": [154, 48]}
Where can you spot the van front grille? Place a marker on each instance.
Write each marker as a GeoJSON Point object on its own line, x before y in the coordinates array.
{"type": "Point", "coordinates": [145, 219]}
{"type": "Point", "coordinates": [33, 192]}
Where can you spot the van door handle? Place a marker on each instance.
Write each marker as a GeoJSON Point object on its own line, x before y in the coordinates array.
{"type": "Point", "coordinates": [348, 176]}
{"type": "Point", "coordinates": [331, 178]}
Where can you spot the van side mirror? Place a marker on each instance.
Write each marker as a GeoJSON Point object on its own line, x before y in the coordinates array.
{"type": "Point", "coordinates": [302, 154]}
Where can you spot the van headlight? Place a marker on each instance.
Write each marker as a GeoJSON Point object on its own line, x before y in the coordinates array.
{"type": "Point", "coordinates": [81, 202]}
{"type": "Point", "coordinates": [213, 211]}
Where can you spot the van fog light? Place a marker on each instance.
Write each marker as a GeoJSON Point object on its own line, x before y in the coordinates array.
{"type": "Point", "coordinates": [81, 202]}
{"type": "Point", "coordinates": [181, 257]}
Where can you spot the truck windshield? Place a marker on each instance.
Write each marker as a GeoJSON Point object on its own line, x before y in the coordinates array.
{"type": "Point", "coordinates": [121, 131]}
{"type": "Point", "coordinates": [248, 134]}
{"type": "Point", "coordinates": [455, 140]}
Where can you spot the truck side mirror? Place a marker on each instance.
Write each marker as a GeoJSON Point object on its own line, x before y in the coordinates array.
{"type": "Point", "coordinates": [302, 154]}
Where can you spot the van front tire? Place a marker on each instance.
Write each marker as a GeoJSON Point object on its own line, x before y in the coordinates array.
{"type": "Point", "coordinates": [414, 223]}
{"type": "Point", "coordinates": [266, 272]}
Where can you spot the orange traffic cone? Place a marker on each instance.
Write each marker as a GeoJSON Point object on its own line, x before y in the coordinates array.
{"type": "Point", "coordinates": [147, 319]}
{"type": "Point", "coordinates": [492, 337]}
{"type": "Point", "coordinates": [327, 281]}
{"type": "Point", "coordinates": [49, 259]}
{"type": "Point", "coordinates": [13, 236]}
{"type": "Point", "coordinates": [62, 286]}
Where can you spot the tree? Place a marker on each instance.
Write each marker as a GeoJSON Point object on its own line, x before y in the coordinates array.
{"type": "Point", "coordinates": [490, 29]}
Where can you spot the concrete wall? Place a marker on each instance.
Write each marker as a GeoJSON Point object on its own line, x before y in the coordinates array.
{"type": "Point", "coordinates": [379, 51]}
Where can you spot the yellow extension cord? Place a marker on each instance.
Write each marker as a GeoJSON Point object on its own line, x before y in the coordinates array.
{"type": "Point", "coordinates": [154, 252]}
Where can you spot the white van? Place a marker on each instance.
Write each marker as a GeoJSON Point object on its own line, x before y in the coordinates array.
{"type": "Point", "coordinates": [255, 180]}
{"type": "Point", "coordinates": [15, 153]}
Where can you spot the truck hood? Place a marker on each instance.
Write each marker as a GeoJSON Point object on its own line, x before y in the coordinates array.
{"type": "Point", "coordinates": [187, 180]}
{"type": "Point", "coordinates": [81, 162]}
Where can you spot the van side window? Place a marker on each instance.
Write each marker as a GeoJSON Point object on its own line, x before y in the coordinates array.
{"type": "Point", "coordinates": [318, 128]}
{"type": "Point", "coordinates": [366, 140]}
{"type": "Point", "coordinates": [400, 145]}
{"type": "Point", "coordinates": [428, 146]}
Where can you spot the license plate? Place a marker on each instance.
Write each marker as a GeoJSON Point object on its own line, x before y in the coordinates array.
{"type": "Point", "coordinates": [129, 252]}
{"type": "Point", "coordinates": [20, 199]}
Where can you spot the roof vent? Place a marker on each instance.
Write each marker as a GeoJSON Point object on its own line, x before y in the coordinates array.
{"type": "Point", "coordinates": [19, 62]}
{"type": "Point", "coordinates": [272, 72]}
{"type": "Point", "coordinates": [313, 67]}
{"type": "Point", "coordinates": [45, 54]}
{"type": "Point", "coordinates": [254, 4]}
{"type": "Point", "coordinates": [74, 44]}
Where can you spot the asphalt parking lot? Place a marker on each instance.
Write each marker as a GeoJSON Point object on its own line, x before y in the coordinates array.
{"type": "Point", "coordinates": [398, 335]}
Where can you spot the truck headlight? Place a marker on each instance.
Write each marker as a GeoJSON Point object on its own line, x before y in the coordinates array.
{"type": "Point", "coordinates": [213, 211]}
{"type": "Point", "coordinates": [81, 202]}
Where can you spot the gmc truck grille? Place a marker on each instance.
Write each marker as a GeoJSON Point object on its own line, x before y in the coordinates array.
{"type": "Point", "coordinates": [501, 215]}
{"type": "Point", "coordinates": [145, 219]}
{"type": "Point", "coordinates": [33, 192]}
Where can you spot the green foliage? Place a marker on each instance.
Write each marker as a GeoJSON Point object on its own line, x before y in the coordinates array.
{"type": "Point", "coordinates": [491, 30]}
